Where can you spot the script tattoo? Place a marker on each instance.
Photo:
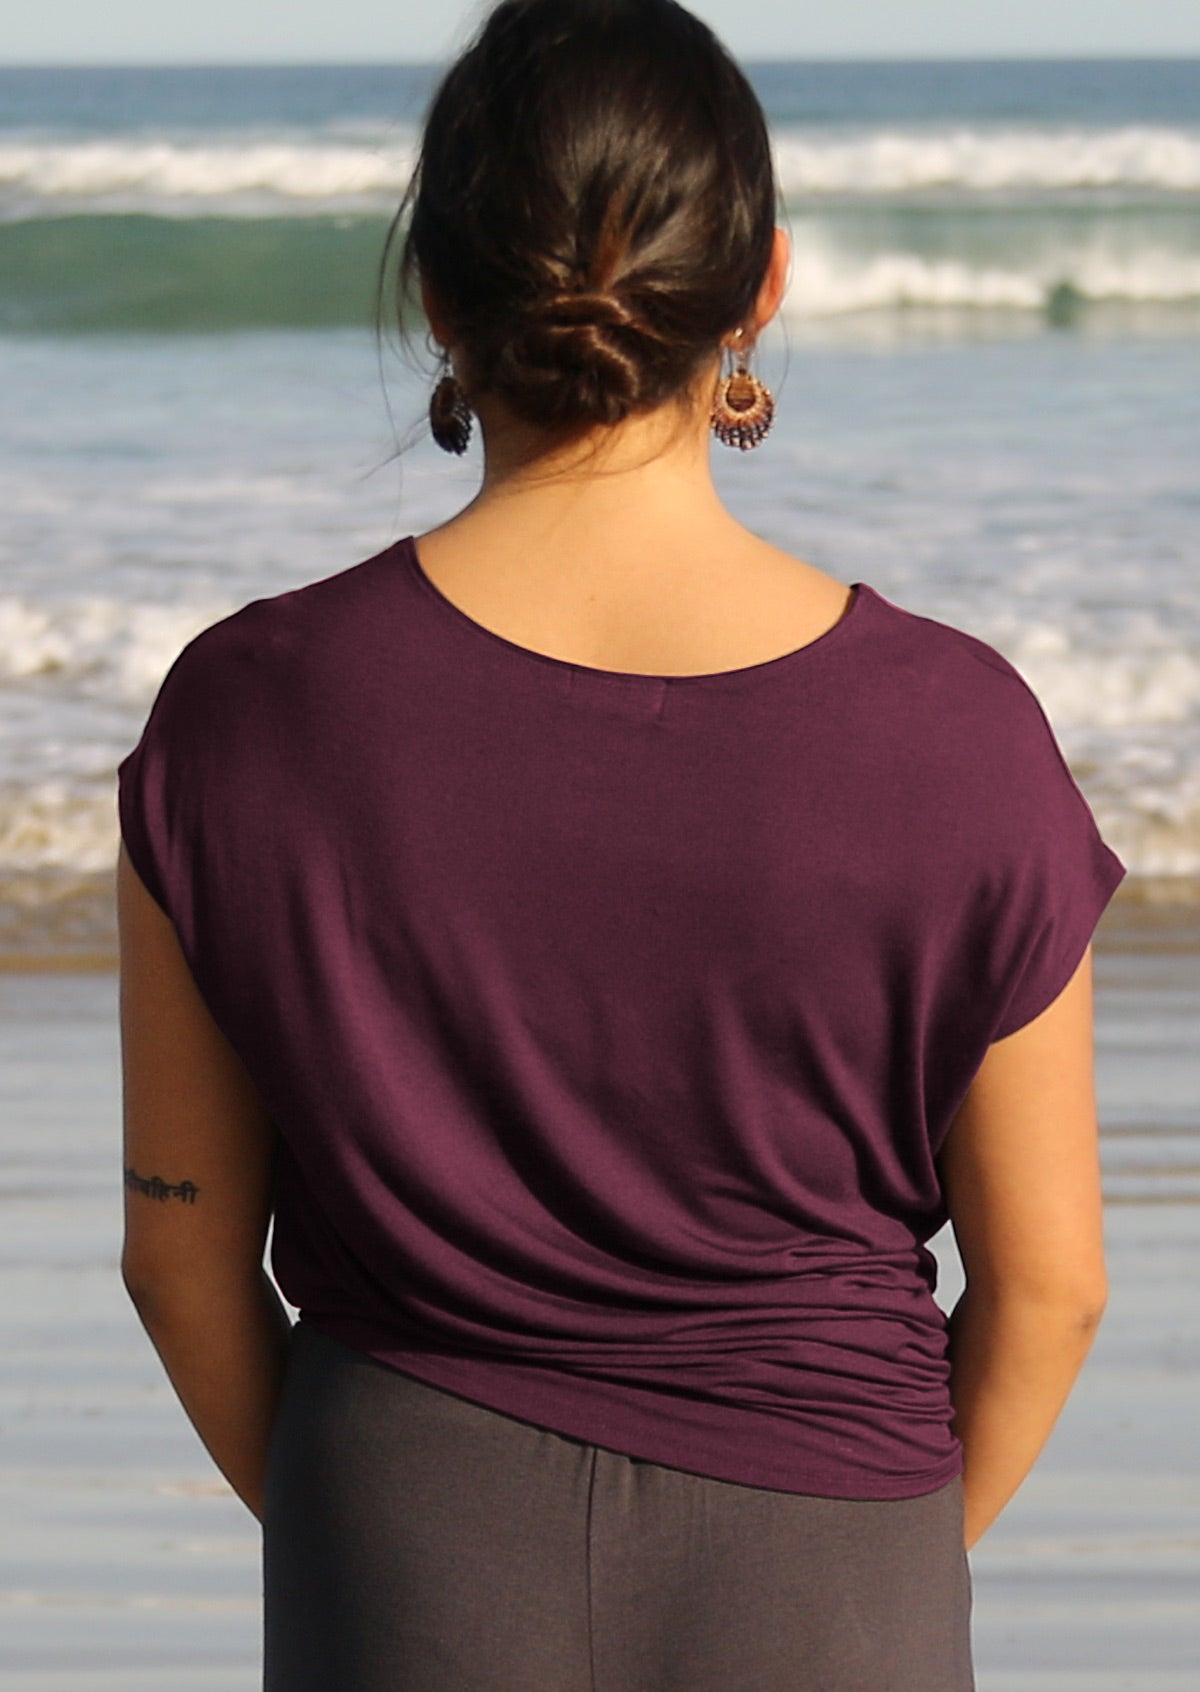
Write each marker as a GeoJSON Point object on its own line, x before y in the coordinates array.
{"type": "Point", "coordinates": [156, 1188]}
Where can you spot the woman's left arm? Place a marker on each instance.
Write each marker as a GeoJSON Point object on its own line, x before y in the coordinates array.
{"type": "Point", "coordinates": [199, 1156]}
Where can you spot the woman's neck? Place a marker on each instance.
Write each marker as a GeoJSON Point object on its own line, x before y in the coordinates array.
{"type": "Point", "coordinates": [649, 475]}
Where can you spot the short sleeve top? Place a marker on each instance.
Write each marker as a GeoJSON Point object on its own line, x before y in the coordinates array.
{"type": "Point", "coordinates": [612, 1023]}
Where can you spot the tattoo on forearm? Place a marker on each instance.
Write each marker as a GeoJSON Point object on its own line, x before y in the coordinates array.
{"type": "Point", "coordinates": [156, 1188]}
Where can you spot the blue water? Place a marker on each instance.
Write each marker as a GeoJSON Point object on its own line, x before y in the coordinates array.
{"type": "Point", "coordinates": [988, 370]}
{"type": "Point", "coordinates": [225, 198]}
{"type": "Point", "coordinates": [108, 99]}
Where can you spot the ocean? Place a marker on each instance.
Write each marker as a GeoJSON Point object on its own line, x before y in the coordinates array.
{"type": "Point", "coordinates": [988, 381]}
{"type": "Point", "coordinates": [987, 365]}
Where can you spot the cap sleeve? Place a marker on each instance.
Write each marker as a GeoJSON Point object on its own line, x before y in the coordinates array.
{"type": "Point", "coordinates": [1060, 876]}
{"type": "Point", "coordinates": [152, 787]}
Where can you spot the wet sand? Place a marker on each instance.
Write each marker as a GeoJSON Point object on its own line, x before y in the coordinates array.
{"type": "Point", "coordinates": [129, 1564]}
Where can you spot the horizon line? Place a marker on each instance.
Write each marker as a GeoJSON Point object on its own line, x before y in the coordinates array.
{"type": "Point", "coordinates": [374, 63]}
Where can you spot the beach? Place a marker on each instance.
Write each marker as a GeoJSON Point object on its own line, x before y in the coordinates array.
{"type": "Point", "coordinates": [986, 370]}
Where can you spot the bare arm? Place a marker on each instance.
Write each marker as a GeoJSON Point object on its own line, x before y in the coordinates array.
{"type": "Point", "coordinates": [198, 1157]}
{"type": "Point", "coordinates": [1021, 1171]}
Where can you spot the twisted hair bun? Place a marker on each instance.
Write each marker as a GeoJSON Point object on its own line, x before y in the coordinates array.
{"type": "Point", "coordinates": [593, 206]}
{"type": "Point", "coordinates": [575, 357]}
{"type": "Point", "coordinates": [601, 309]}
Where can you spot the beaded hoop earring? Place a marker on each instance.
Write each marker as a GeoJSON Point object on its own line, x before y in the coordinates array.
{"type": "Point", "coordinates": [744, 407]}
{"type": "Point", "coordinates": [449, 413]}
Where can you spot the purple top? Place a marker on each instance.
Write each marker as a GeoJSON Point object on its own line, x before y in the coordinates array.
{"type": "Point", "coordinates": [612, 1022]}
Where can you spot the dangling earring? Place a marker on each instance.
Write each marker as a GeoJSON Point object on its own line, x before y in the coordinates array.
{"type": "Point", "coordinates": [449, 413]}
{"type": "Point", "coordinates": [744, 407]}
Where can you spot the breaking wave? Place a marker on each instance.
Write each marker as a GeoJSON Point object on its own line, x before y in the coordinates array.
{"type": "Point", "coordinates": [260, 175]}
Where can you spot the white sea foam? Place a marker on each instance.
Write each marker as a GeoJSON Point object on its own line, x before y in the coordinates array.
{"type": "Point", "coordinates": [828, 280]}
{"type": "Point", "coordinates": [51, 826]}
{"type": "Point", "coordinates": [231, 175]}
{"type": "Point", "coordinates": [1140, 686]}
{"type": "Point", "coordinates": [255, 173]}
{"type": "Point", "coordinates": [984, 160]}
{"type": "Point", "coordinates": [95, 645]}
{"type": "Point", "coordinates": [102, 659]}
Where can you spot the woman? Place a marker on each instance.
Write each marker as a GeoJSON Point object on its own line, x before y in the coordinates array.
{"type": "Point", "coordinates": [609, 948]}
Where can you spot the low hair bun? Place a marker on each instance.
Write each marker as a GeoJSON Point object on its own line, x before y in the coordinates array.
{"type": "Point", "coordinates": [573, 358]}
{"type": "Point", "coordinates": [604, 310]}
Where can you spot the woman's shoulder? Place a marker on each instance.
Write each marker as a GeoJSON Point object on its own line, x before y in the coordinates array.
{"type": "Point", "coordinates": [954, 652]}
{"type": "Point", "coordinates": [912, 636]}
{"type": "Point", "coordinates": [297, 621]}
{"type": "Point", "coordinates": [968, 709]}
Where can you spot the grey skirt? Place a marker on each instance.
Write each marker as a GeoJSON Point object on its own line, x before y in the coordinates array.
{"type": "Point", "coordinates": [416, 1542]}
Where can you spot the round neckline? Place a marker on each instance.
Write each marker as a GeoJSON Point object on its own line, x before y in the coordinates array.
{"type": "Point", "coordinates": [860, 590]}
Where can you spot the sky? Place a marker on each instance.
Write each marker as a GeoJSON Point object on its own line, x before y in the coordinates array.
{"type": "Point", "coordinates": [350, 31]}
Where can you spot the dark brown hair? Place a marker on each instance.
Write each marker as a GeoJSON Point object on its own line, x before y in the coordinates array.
{"type": "Point", "coordinates": [593, 206]}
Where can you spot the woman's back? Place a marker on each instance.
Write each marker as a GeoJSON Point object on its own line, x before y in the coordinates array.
{"type": "Point", "coordinates": [613, 1020]}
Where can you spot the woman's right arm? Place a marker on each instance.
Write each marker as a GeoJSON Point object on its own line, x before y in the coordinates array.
{"type": "Point", "coordinates": [1020, 1168]}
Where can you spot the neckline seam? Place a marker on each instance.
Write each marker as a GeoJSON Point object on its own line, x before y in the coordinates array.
{"type": "Point", "coordinates": [630, 677]}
